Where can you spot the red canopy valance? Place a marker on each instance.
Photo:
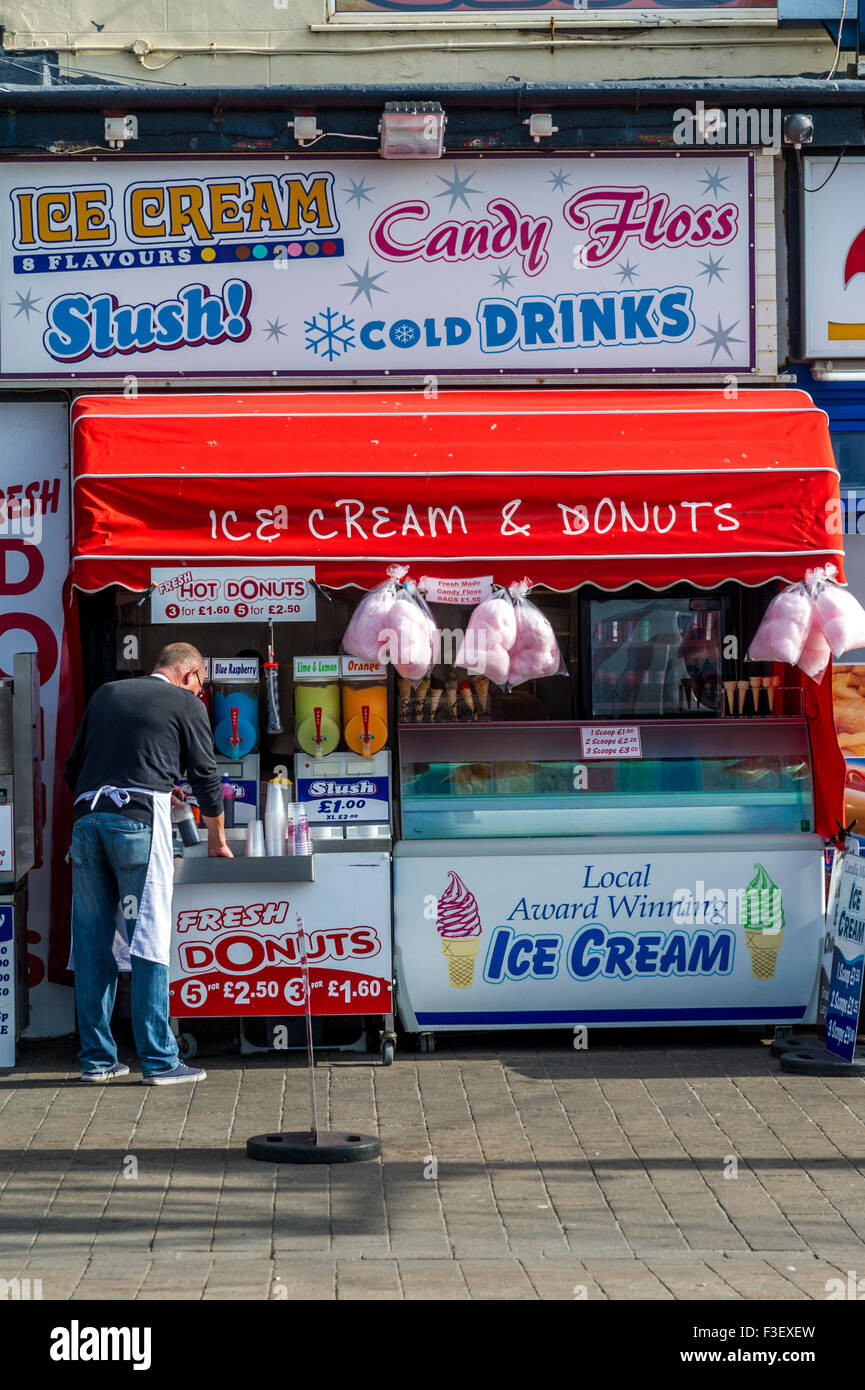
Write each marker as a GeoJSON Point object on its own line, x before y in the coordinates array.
{"type": "Point", "coordinates": [566, 487]}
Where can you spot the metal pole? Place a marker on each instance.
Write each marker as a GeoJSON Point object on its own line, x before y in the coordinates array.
{"type": "Point", "coordinates": [309, 1050]}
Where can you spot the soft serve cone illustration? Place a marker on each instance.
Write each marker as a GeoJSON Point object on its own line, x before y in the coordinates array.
{"type": "Point", "coordinates": [763, 920]}
{"type": "Point", "coordinates": [459, 926]}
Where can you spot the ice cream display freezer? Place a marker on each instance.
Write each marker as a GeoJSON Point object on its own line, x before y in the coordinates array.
{"type": "Point", "coordinates": [537, 887]}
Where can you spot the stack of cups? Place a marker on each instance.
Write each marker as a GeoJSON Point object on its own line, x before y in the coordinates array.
{"type": "Point", "coordinates": [275, 818]}
{"type": "Point", "coordinates": [298, 829]}
{"type": "Point", "coordinates": [255, 840]}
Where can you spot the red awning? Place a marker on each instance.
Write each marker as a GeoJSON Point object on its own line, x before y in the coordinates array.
{"type": "Point", "coordinates": [564, 487]}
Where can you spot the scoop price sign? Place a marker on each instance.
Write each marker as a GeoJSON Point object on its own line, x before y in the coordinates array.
{"type": "Point", "coordinates": [848, 958]}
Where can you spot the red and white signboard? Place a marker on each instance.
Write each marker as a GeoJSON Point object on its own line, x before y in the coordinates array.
{"type": "Point", "coordinates": [834, 251]}
{"type": "Point", "coordinates": [236, 949]}
{"type": "Point", "coordinates": [34, 550]}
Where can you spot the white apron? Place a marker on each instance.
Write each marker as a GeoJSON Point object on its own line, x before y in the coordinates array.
{"type": "Point", "coordinates": [151, 939]}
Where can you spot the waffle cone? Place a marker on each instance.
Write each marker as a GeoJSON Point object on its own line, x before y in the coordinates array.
{"type": "Point", "coordinates": [764, 950]}
{"type": "Point", "coordinates": [461, 954]}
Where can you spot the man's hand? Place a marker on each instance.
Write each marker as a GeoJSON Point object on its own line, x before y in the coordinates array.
{"type": "Point", "coordinates": [216, 843]}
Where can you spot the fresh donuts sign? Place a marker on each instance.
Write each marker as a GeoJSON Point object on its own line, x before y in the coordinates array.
{"type": "Point", "coordinates": [225, 595]}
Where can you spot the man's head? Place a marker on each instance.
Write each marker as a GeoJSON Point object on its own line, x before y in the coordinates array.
{"type": "Point", "coordinates": [183, 665]}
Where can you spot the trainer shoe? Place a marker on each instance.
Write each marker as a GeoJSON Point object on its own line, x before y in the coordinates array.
{"type": "Point", "coordinates": [107, 1073]}
{"type": "Point", "coordinates": [174, 1077]}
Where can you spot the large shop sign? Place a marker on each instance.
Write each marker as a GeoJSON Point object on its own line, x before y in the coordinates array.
{"type": "Point", "coordinates": [834, 221]}
{"type": "Point", "coordinates": [544, 266]}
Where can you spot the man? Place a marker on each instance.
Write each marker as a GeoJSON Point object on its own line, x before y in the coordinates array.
{"type": "Point", "coordinates": [136, 737]}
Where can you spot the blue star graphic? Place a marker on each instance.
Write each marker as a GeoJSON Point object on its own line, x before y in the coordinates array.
{"type": "Point", "coordinates": [457, 188]}
{"type": "Point", "coordinates": [503, 277]}
{"type": "Point", "coordinates": [359, 192]}
{"type": "Point", "coordinates": [720, 337]}
{"type": "Point", "coordinates": [26, 305]}
{"type": "Point", "coordinates": [713, 183]}
{"type": "Point", "coordinates": [627, 272]}
{"type": "Point", "coordinates": [559, 181]}
{"type": "Point", "coordinates": [363, 282]}
{"type": "Point", "coordinates": [713, 270]}
{"type": "Point", "coordinates": [275, 330]}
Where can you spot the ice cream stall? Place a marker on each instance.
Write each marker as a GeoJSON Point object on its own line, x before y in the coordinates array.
{"type": "Point", "coordinates": [617, 819]}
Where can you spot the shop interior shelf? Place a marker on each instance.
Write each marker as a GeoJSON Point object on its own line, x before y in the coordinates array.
{"type": "Point", "coordinates": [269, 869]}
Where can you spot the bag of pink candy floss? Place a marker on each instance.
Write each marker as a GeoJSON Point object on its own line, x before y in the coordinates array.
{"type": "Point", "coordinates": [535, 653]}
{"type": "Point", "coordinates": [841, 614]}
{"type": "Point", "coordinates": [367, 630]}
{"type": "Point", "coordinates": [413, 634]}
{"type": "Point", "coordinates": [784, 629]}
{"type": "Point", "coordinates": [490, 635]}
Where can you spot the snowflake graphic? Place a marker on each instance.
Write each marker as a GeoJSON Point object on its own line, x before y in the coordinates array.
{"type": "Point", "coordinates": [329, 334]}
{"type": "Point", "coordinates": [405, 333]}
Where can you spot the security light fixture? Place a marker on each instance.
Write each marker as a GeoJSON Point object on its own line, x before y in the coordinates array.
{"type": "Point", "coordinates": [119, 129]}
{"type": "Point", "coordinates": [412, 130]}
{"type": "Point", "coordinates": [540, 125]}
{"type": "Point", "coordinates": [305, 128]}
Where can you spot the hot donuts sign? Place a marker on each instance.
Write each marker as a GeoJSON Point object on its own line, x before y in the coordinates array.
{"type": "Point", "coordinates": [628, 263]}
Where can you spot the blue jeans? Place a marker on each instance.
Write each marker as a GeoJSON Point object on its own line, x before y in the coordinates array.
{"type": "Point", "coordinates": [109, 859]}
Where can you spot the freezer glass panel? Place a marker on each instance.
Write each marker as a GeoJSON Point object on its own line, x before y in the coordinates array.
{"type": "Point", "coordinates": [465, 784]}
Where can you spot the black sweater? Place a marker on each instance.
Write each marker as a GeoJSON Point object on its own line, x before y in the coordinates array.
{"type": "Point", "coordinates": [143, 733]}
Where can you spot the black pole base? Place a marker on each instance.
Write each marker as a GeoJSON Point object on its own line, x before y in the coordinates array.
{"type": "Point", "coordinates": [819, 1061]}
{"type": "Point", "coordinates": [300, 1147]}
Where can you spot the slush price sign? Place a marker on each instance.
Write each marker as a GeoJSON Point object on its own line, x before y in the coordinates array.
{"type": "Point", "coordinates": [281, 594]}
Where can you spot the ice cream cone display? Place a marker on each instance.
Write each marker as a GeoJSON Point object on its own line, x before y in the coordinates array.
{"type": "Point", "coordinates": [468, 699]}
{"type": "Point", "coordinates": [742, 690]}
{"type": "Point", "coordinates": [459, 927]}
{"type": "Point", "coordinates": [730, 694]}
{"type": "Point", "coordinates": [451, 696]}
{"type": "Point", "coordinates": [403, 685]}
{"type": "Point", "coordinates": [754, 682]}
{"type": "Point", "coordinates": [482, 692]}
{"type": "Point", "coordinates": [420, 698]}
{"type": "Point", "coordinates": [435, 695]}
{"type": "Point", "coordinates": [763, 920]}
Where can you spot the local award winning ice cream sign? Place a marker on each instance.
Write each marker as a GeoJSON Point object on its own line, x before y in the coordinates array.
{"type": "Point", "coordinates": [637, 263]}
{"type": "Point", "coordinates": [609, 939]}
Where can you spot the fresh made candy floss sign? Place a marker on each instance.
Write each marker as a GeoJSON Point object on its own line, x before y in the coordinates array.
{"type": "Point", "coordinates": [262, 268]}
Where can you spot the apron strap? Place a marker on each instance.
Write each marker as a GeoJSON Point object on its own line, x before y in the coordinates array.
{"type": "Point", "coordinates": [119, 795]}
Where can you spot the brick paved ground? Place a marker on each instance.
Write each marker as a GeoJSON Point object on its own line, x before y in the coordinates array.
{"type": "Point", "coordinates": [560, 1174]}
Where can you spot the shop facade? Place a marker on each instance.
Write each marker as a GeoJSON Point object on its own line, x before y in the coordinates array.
{"type": "Point", "coordinates": [485, 369]}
